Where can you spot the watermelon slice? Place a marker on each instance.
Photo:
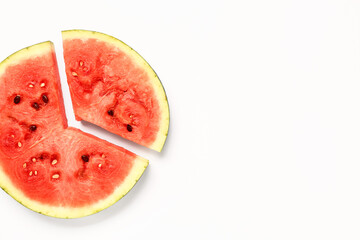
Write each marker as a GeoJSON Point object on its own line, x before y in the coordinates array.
{"type": "Point", "coordinates": [31, 102]}
{"type": "Point", "coordinates": [47, 166]}
{"type": "Point", "coordinates": [113, 87]}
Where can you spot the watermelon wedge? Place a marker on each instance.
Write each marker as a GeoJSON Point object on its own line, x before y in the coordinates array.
{"type": "Point", "coordinates": [45, 165]}
{"type": "Point", "coordinates": [113, 87]}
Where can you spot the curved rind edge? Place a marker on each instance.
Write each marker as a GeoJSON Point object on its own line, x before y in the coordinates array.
{"type": "Point", "coordinates": [26, 53]}
{"type": "Point", "coordinates": [131, 179]}
{"type": "Point", "coordinates": [6, 184]}
{"type": "Point", "coordinates": [159, 142]}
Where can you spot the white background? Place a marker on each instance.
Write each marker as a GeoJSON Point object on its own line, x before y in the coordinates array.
{"type": "Point", "coordinates": [264, 141]}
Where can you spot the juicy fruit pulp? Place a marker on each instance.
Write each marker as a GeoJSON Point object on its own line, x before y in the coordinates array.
{"type": "Point", "coordinates": [45, 165]}
{"type": "Point", "coordinates": [25, 117]}
{"type": "Point", "coordinates": [113, 87]}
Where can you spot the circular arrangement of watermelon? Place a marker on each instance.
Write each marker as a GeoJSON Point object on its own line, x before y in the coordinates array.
{"type": "Point", "coordinates": [61, 171]}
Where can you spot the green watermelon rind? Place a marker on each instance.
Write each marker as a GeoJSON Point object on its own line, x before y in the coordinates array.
{"type": "Point", "coordinates": [139, 166]}
{"type": "Point", "coordinates": [161, 137]}
{"type": "Point", "coordinates": [25, 53]}
{"type": "Point", "coordinates": [34, 51]}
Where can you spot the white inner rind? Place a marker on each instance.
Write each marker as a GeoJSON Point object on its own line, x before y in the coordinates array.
{"type": "Point", "coordinates": [26, 53]}
{"type": "Point", "coordinates": [158, 88]}
{"type": "Point", "coordinates": [135, 173]}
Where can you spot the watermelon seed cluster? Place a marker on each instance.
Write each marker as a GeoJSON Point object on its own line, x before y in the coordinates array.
{"type": "Point", "coordinates": [31, 173]}
{"type": "Point", "coordinates": [44, 98]}
{"type": "Point", "coordinates": [32, 85]}
{"type": "Point", "coordinates": [33, 160]}
{"type": "Point", "coordinates": [86, 158]}
{"type": "Point", "coordinates": [129, 128]}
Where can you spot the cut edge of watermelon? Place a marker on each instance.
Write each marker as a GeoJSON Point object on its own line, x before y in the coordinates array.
{"type": "Point", "coordinates": [140, 164]}
{"type": "Point", "coordinates": [35, 51]}
{"type": "Point", "coordinates": [159, 142]}
{"type": "Point", "coordinates": [26, 53]}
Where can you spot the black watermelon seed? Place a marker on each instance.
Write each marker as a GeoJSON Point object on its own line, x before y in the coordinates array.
{"type": "Point", "coordinates": [45, 98]}
{"type": "Point", "coordinates": [35, 105]}
{"type": "Point", "coordinates": [33, 128]}
{"type": "Point", "coordinates": [111, 112]}
{"type": "Point", "coordinates": [129, 127]}
{"type": "Point", "coordinates": [17, 99]}
{"type": "Point", "coordinates": [85, 158]}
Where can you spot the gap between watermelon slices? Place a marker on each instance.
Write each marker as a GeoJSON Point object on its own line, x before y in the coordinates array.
{"type": "Point", "coordinates": [44, 165]}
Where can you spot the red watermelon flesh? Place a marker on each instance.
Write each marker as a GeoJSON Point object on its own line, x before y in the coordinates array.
{"type": "Point", "coordinates": [46, 166]}
{"type": "Point", "coordinates": [69, 169]}
{"type": "Point", "coordinates": [31, 102]}
{"type": "Point", "coordinates": [113, 87]}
